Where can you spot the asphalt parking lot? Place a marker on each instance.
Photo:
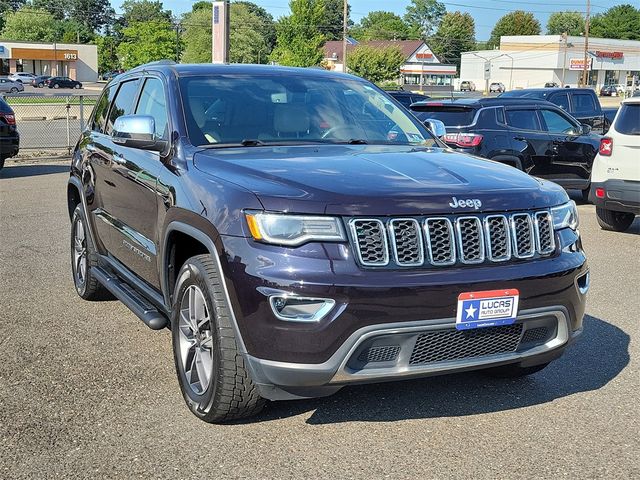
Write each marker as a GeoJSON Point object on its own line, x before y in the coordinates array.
{"type": "Point", "coordinates": [86, 390]}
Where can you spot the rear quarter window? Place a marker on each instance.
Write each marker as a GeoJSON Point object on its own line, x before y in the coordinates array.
{"type": "Point", "coordinates": [583, 103]}
{"type": "Point", "coordinates": [628, 119]}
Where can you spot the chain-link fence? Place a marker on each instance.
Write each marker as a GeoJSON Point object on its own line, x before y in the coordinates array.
{"type": "Point", "coordinates": [50, 123]}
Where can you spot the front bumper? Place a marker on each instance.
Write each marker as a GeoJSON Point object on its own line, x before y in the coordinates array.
{"type": "Point", "coordinates": [374, 306]}
{"type": "Point", "coordinates": [620, 195]}
{"type": "Point", "coordinates": [403, 345]}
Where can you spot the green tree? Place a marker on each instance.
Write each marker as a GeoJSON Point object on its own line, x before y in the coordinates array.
{"type": "Point", "coordinates": [569, 22]}
{"type": "Point", "coordinates": [333, 19]}
{"type": "Point", "coordinates": [107, 53]}
{"type": "Point", "coordinates": [267, 26]}
{"type": "Point", "coordinates": [424, 16]}
{"type": "Point", "coordinates": [376, 64]}
{"type": "Point", "coordinates": [621, 22]}
{"type": "Point", "coordinates": [72, 31]}
{"type": "Point", "coordinates": [93, 14]}
{"type": "Point", "coordinates": [380, 25]}
{"type": "Point", "coordinates": [518, 22]}
{"type": "Point", "coordinates": [298, 37]}
{"type": "Point", "coordinates": [146, 42]}
{"type": "Point", "coordinates": [30, 24]}
{"type": "Point", "coordinates": [9, 6]}
{"type": "Point", "coordinates": [144, 11]}
{"type": "Point", "coordinates": [456, 34]}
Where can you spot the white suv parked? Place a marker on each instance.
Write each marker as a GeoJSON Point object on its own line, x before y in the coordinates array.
{"type": "Point", "coordinates": [21, 77]}
{"type": "Point", "coordinates": [615, 177]}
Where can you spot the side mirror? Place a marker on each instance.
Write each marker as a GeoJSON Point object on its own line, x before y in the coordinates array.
{"type": "Point", "coordinates": [585, 129]}
{"type": "Point", "coordinates": [436, 127]}
{"type": "Point", "coordinates": [137, 131]}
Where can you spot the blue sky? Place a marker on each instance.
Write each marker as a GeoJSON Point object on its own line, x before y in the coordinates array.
{"type": "Point", "coordinates": [485, 12]}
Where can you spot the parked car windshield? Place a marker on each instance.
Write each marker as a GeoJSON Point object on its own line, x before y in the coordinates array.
{"type": "Point", "coordinates": [449, 115]}
{"type": "Point", "coordinates": [227, 110]}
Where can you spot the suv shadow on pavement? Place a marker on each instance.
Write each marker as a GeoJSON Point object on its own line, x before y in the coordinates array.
{"type": "Point", "coordinates": [581, 369]}
{"type": "Point", "coordinates": [19, 171]}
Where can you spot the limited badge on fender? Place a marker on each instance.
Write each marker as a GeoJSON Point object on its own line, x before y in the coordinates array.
{"type": "Point", "coordinates": [487, 309]}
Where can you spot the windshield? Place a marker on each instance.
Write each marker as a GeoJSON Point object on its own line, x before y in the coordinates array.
{"type": "Point", "coordinates": [253, 110]}
{"type": "Point", "coordinates": [450, 116]}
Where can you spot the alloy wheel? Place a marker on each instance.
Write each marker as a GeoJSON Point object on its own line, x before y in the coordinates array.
{"type": "Point", "coordinates": [195, 340]}
{"type": "Point", "coordinates": [80, 254]}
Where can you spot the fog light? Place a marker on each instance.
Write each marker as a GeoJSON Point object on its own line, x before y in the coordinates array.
{"type": "Point", "coordinates": [600, 192]}
{"type": "Point", "coordinates": [292, 308]}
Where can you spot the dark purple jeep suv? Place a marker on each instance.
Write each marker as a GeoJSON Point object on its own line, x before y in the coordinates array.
{"type": "Point", "coordinates": [299, 231]}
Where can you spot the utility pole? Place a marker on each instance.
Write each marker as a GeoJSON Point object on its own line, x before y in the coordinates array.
{"type": "Point", "coordinates": [345, 19]}
{"type": "Point", "coordinates": [585, 72]}
{"type": "Point", "coordinates": [564, 62]}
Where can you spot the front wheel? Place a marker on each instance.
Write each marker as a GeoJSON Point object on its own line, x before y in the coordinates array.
{"type": "Point", "coordinates": [55, 85]}
{"type": "Point", "coordinates": [78, 86]}
{"type": "Point", "coordinates": [40, 85]}
{"type": "Point", "coordinates": [13, 90]}
{"type": "Point", "coordinates": [213, 378]}
{"type": "Point", "coordinates": [612, 220]}
{"type": "Point", "coordinates": [83, 259]}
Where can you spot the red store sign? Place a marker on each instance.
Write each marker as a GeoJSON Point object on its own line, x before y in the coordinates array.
{"type": "Point", "coordinates": [613, 55]}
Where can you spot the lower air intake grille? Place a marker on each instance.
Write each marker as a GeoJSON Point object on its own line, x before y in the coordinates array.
{"type": "Point", "coordinates": [535, 334]}
{"type": "Point", "coordinates": [384, 353]}
{"type": "Point", "coordinates": [447, 345]}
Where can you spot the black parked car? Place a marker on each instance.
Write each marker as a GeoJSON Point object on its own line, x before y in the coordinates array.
{"type": "Point", "coordinates": [406, 98]}
{"type": "Point", "coordinates": [40, 81]}
{"type": "Point", "coordinates": [581, 103]}
{"type": "Point", "coordinates": [9, 138]}
{"type": "Point", "coordinates": [324, 239]}
{"type": "Point", "coordinates": [62, 82]}
{"type": "Point", "coordinates": [532, 135]}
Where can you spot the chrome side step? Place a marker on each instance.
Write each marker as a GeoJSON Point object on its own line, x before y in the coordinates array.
{"type": "Point", "coordinates": [132, 299]}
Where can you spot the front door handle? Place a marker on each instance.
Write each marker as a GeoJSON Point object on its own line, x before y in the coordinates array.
{"type": "Point", "coordinates": [119, 159]}
{"type": "Point", "coordinates": [520, 139]}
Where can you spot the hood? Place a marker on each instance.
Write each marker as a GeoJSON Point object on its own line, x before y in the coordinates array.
{"type": "Point", "coordinates": [376, 180]}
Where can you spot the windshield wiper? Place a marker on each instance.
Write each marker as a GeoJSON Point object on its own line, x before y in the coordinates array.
{"type": "Point", "coordinates": [356, 141]}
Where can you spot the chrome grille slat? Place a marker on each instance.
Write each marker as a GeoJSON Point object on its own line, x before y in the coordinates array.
{"type": "Point", "coordinates": [443, 241]}
{"type": "Point", "coordinates": [371, 241]}
{"type": "Point", "coordinates": [522, 234]}
{"type": "Point", "coordinates": [470, 240]}
{"type": "Point", "coordinates": [406, 241]}
{"type": "Point", "coordinates": [497, 236]}
{"type": "Point", "coordinates": [544, 233]}
{"type": "Point", "coordinates": [440, 241]}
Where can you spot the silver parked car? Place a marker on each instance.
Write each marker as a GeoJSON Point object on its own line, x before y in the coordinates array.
{"type": "Point", "coordinates": [9, 86]}
{"type": "Point", "coordinates": [22, 77]}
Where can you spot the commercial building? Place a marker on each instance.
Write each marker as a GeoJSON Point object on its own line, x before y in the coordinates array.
{"type": "Point", "coordinates": [421, 66]}
{"type": "Point", "coordinates": [530, 61]}
{"type": "Point", "coordinates": [77, 61]}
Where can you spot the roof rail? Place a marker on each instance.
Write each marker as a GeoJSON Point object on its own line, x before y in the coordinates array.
{"type": "Point", "coordinates": [158, 62]}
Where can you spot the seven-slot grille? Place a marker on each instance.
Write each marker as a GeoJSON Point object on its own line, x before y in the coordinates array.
{"type": "Point", "coordinates": [441, 241]}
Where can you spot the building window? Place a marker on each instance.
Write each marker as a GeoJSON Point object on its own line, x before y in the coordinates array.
{"type": "Point", "coordinates": [4, 67]}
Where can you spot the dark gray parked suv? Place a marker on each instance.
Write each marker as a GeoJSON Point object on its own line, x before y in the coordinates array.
{"type": "Point", "coordinates": [298, 230]}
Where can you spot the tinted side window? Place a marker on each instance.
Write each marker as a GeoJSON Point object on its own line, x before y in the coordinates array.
{"type": "Point", "coordinates": [556, 123]}
{"type": "Point", "coordinates": [562, 100]}
{"type": "Point", "coordinates": [152, 102]}
{"type": "Point", "coordinates": [583, 103]}
{"type": "Point", "coordinates": [524, 119]}
{"type": "Point", "coordinates": [628, 120]}
{"type": "Point", "coordinates": [123, 103]}
{"type": "Point", "coordinates": [101, 109]}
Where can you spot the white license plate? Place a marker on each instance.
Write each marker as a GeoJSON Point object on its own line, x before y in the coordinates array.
{"type": "Point", "coordinates": [487, 309]}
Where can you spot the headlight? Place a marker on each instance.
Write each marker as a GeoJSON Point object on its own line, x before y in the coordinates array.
{"type": "Point", "coordinates": [565, 216]}
{"type": "Point", "coordinates": [293, 230]}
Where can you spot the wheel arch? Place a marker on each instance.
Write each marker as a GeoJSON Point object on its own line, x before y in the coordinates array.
{"type": "Point", "coordinates": [74, 196]}
{"type": "Point", "coordinates": [511, 160]}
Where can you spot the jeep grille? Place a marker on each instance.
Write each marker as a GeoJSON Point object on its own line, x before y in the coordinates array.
{"type": "Point", "coordinates": [442, 241]}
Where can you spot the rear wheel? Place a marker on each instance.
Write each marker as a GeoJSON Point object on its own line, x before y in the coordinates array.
{"type": "Point", "coordinates": [13, 90]}
{"type": "Point", "coordinates": [213, 377]}
{"type": "Point", "coordinates": [77, 86]}
{"type": "Point", "coordinates": [55, 85]}
{"type": "Point", "coordinates": [513, 371]}
{"type": "Point", "coordinates": [41, 85]}
{"type": "Point", "coordinates": [612, 220]}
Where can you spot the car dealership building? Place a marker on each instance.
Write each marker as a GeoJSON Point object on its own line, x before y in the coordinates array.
{"type": "Point", "coordinates": [530, 61]}
{"type": "Point", "coordinates": [78, 61]}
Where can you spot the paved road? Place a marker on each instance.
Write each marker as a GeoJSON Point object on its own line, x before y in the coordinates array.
{"type": "Point", "coordinates": [86, 390]}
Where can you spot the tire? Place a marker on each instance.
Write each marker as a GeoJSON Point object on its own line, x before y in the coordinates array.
{"type": "Point", "coordinates": [13, 90]}
{"type": "Point", "coordinates": [513, 371]}
{"type": "Point", "coordinates": [77, 86]}
{"type": "Point", "coordinates": [86, 284]}
{"type": "Point", "coordinates": [55, 85]}
{"type": "Point", "coordinates": [203, 334]}
{"type": "Point", "coordinates": [2, 159]}
{"type": "Point", "coordinates": [40, 85]}
{"type": "Point", "coordinates": [612, 220]}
